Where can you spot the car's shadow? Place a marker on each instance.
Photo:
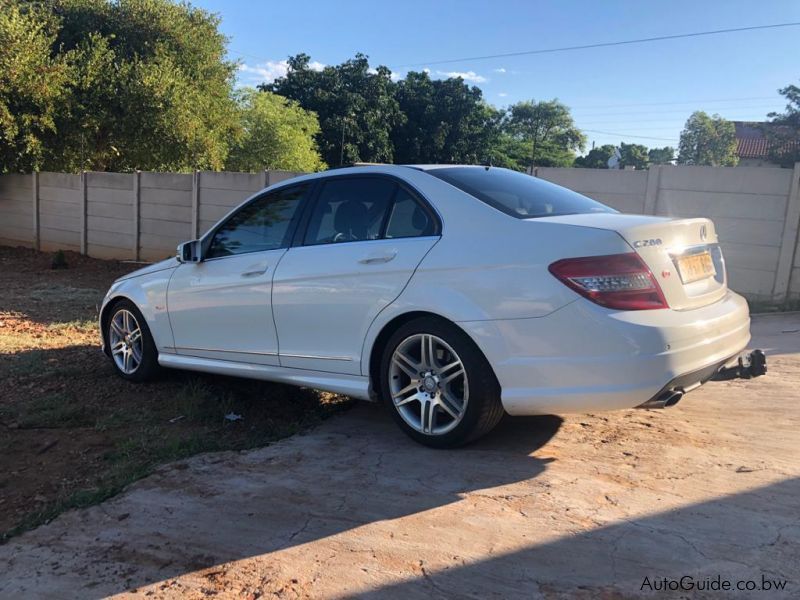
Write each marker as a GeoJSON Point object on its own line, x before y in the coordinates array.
{"type": "Point", "coordinates": [359, 470]}
{"type": "Point", "coordinates": [355, 471]}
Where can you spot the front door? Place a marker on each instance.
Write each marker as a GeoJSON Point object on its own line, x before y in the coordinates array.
{"type": "Point", "coordinates": [364, 239]}
{"type": "Point", "coordinates": [221, 307]}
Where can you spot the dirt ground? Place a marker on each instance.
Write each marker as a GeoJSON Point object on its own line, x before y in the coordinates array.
{"type": "Point", "coordinates": [71, 432]}
{"type": "Point", "coordinates": [588, 506]}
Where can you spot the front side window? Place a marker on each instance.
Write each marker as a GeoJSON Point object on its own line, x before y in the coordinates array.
{"type": "Point", "coordinates": [350, 210]}
{"type": "Point", "coordinates": [263, 224]}
{"type": "Point", "coordinates": [516, 194]}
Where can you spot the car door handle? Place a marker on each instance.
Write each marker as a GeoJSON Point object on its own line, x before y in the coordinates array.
{"type": "Point", "coordinates": [255, 272]}
{"type": "Point", "coordinates": [378, 258]}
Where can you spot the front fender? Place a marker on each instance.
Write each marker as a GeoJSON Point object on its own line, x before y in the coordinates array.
{"type": "Point", "coordinates": [149, 293]}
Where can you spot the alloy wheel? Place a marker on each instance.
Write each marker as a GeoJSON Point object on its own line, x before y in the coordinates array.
{"type": "Point", "coordinates": [125, 341]}
{"type": "Point", "coordinates": [428, 384]}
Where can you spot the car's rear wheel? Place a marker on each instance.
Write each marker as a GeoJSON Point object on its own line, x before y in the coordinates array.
{"type": "Point", "coordinates": [438, 385]}
{"type": "Point", "coordinates": [131, 348]}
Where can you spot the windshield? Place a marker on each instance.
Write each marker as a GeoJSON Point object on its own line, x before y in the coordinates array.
{"type": "Point", "coordinates": [517, 194]}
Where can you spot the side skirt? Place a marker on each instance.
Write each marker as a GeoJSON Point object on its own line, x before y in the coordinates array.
{"type": "Point", "coordinates": [355, 386]}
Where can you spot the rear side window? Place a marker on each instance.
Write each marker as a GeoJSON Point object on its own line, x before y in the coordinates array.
{"type": "Point", "coordinates": [408, 218]}
{"type": "Point", "coordinates": [350, 210]}
{"type": "Point", "coordinates": [519, 195]}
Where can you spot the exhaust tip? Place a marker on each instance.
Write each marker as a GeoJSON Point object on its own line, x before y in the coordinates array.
{"type": "Point", "coordinates": [672, 398]}
{"type": "Point", "coordinates": [664, 400]}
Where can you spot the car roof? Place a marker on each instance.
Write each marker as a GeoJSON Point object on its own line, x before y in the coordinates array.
{"type": "Point", "coordinates": [377, 168]}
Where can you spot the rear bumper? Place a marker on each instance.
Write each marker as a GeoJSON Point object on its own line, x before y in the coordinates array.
{"type": "Point", "coordinates": [585, 358]}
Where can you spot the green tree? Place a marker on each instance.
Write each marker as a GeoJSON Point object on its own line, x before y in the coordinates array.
{"type": "Point", "coordinates": [784, 134]}
{"type": "Point", "coordinates": [633, 155]}
{"type": "Point", "coordinates": [446, 121]}
{"type": "Point", "coordinates": [276, 134]}
{"type": "Point", "coordinates": [548, 129]}
{"type": "Point", "coordinates": [596, 158]}
{"type": "Point", "coordinates": [707, 140]}
{"type": "Point", "coordinates": [355, 104]}
{"type": "Point", "coordinates": [148, 87]}
{"type": "Point", "coordinates": [30, 84]}
{"type": "Point", "coordinates": [661, 156]}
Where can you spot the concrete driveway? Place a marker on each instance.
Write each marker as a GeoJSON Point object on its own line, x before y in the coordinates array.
{"type": "Point", "coordinates": [587, 506]}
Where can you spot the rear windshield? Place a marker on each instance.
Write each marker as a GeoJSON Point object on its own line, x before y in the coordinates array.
{"type": "Point", "coordinates": [517, 194]}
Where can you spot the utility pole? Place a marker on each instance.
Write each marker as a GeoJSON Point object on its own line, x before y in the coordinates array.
{"type": "Point", "coordinates": [341, 147]}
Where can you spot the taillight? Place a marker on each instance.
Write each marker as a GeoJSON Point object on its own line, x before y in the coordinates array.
{"type": "Point", "coordinates": [619, 281]}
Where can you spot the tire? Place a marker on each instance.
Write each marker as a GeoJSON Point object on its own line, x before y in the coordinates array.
{"type": "Point", "coordinates": [427, 406]}
{"type": "Point", "coordinates": [128, 363]}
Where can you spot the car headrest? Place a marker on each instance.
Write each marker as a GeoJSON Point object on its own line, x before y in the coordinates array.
{"type": "Point", "coordinates": [352, 217]}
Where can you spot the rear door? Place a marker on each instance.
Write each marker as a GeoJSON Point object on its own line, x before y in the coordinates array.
{"type": "Point", "coordinates": [363, 239]}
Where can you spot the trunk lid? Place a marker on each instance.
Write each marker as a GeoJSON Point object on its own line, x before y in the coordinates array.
{"type": "Point", "coordinates": [683, 254]}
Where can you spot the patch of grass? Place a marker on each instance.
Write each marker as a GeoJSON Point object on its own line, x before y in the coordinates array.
{"type": "Point", "coordinates": [74, 434]}
{"type": "Point", "coordinates": [80, 324]}
{"type": "Point", "coordinates": [56, 410]}
{"type": "Point", "coordinates": [36, 364]}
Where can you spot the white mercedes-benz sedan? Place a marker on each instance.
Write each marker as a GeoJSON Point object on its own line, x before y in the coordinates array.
{"type": "Point", "coordinates": [452, 294]}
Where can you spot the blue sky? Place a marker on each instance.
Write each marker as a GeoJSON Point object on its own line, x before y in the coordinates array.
{"type": "Point", "coordinates": [645, 90]}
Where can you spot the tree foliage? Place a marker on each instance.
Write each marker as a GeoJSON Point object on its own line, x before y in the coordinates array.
{"type": "Point", "coordinates": [356, 106]}
{"type": "Point", "coordinates": [276, 134]}
{"type": "Point", "coordinates": [596, 158]}
{"type": "Point", "coordinates": [707, 140]}
{"type": "Point", "coordinates": [547, 129]}
{"type": "Point", "coordinates": [30, 84]}
{"type": "Point", "coordinates": [632, 156]}
{"type": "Point", "coordinates": [784, 134]}
{"type": "Point", "coordinates": [122, 84]}
{"type": "Point", "coordinates": [661, 156]}
{"type": "Point", "coordinates": [446, 121]}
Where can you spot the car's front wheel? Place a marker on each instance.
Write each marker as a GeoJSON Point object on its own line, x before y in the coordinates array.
{"type": "Point", "coordinates": [131, 347]}
{"type": "Point", "coordinates": [438, 385]}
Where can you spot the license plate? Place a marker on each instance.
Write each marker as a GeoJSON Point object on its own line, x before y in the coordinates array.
{"type": "Point", "coordinates": [695, 267]}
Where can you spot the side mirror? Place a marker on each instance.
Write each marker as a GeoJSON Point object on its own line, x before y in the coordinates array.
{"type": "Point", "coordinates": [190, 252]}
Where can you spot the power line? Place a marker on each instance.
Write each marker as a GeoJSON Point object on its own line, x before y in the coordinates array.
{"type": "Point", "coordinates": [680, 111]}
{"type": "Point", "coordinates": [659, 38]}
{"type": "Point", "coordinates": [601, 121]}
{"type": "Point", "coordinates": [628, 135]}
{"type": "Point", "coordinates": [676, 102]}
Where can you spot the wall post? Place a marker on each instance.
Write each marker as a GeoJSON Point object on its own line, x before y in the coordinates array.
{"type": "Point", "coordinates": [196, 205]}
{"type": "Point", "coordinates": [651, 195]}
{"type": "Point", "coordinates": [36, 231]}
{"type": "Point", "coordinates": [791, 222]}
{"type": "Point", "coordinates": [265, 179]}
{"type": "Point", "coordinates": [137, 178]}
{"type": "Point", "coordinates": [83, 213]}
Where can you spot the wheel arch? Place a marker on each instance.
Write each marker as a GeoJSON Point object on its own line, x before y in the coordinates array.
{"type": "Point", "coordinates": [376, 351]}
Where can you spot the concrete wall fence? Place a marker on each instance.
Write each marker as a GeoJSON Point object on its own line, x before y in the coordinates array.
{"type": "Point", "coordinates": [144, 216]}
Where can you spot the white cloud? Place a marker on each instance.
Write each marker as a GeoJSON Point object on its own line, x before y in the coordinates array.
{"type": "Point", "coordinates": [470, 76]}
{"type": "Point", "coordinates": [269, 71]}
{"type": "Point", "coordinates": [396, 76]}
{"type": "Point", "coordinates": [426, 70]}
{"type": "Point", "coordinates": [265, 72]}
{"type": "Point", "coordinates": [500, 70]}
{"type": "Point", "coordinates": [502, 94]}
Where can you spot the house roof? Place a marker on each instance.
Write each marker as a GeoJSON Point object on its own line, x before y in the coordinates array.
{"type": "Point", "coordinates": [750, 139]}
